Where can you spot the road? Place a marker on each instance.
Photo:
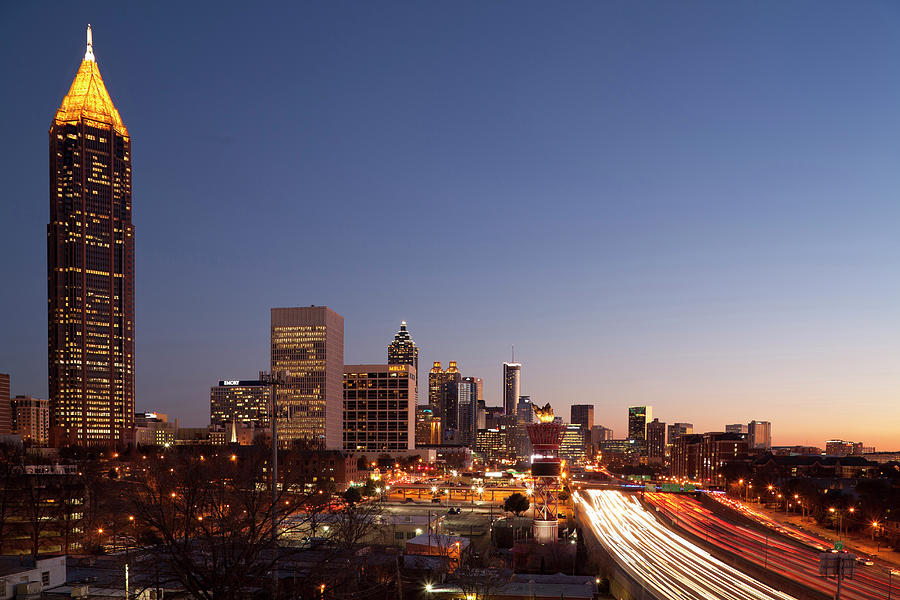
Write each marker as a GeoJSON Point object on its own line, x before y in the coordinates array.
{"type": "Point", "coordinates": [789, 558]}
{"type": "Point", "coordinates": [664, 563]}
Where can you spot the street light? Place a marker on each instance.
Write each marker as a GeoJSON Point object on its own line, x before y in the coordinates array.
{"type": "Point", "coordinates": [891, 573]}
{"type": "Point", "coordinates": [275, 378]}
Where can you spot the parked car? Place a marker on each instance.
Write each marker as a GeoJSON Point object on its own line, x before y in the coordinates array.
{"type": "Point", "coordinates": [408, 500]}
{"type": "Point", "coordinates": [436, 500]}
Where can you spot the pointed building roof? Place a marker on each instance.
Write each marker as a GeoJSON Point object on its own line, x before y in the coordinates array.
{"type": "Point", "coordinates": [88, 98]}
{"type": "Point", "coordinates": [403, 336]}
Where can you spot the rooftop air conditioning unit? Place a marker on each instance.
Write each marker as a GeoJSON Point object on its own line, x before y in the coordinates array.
{"type": "Point", "coordinates": [28, 590]}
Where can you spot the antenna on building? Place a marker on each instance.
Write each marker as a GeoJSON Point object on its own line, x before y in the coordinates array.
{"type": "Point", "coordinates": [513, 353]}
{"type": "Point", "coordinates": [89, 54]}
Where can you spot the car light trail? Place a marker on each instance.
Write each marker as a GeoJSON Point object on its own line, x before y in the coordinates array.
{"type": "Point", "coordinates": [795, 560]}
{"type": "Point", "coordinates": [667, 565]}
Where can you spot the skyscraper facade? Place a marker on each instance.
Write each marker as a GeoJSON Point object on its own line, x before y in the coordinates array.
{"type": "Point", "coordinates": [442, 404]}
{"type": "Point", "coordinates": [467, 409]}
{"type": "Point", "coordinates": [638, 417]}
{"type": "Point", "coordinates": [677, 429]}
{"type": "Point", "coordinates": [403, 350]}
{"type": "Point", "coordinates": [90, 266]}
{"type": "Point", "coordinates": [240, 401]}
{"type": "Point", "coordinates": [31, 419]}
{"type": "Point", "coordinates": [308, 343]}
{"type": "Point", "coordinates": [656, 442]}
{"type": "Point", "coordinates": [573, 444]}
{"type": "Point", "coordinates": [511, 373]}
{"type": "Point", "coordinates": [736, 428]}
{"type": "Point", "coordinates": [760, 435]}
{"type": "Point", "coordinates": [524, 410]}
{"type": "Point", "coordinates": [599, 433]}
{"type": "Point", "coordinates": [428, 427]}
{"type": "Point", "coordinates": [583, 414]}
{"type": "Point", "coordinates": [379, 407]}
{"type": "Point", "coordinates": [6, 425]}
{"type": "Point", "coordinates": [460, 410]}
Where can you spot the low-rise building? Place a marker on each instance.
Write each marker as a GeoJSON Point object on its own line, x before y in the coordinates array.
{"type": "Point", "coordinates": [23, 578]}
{"type": "Point", "coordinates": [701, 457]}
{"type": "Point", "coordinates": [321, 469]}
{"type": "Point", "coordinates": [44, 505]}
{"type": "Point", "coordinates": [153, 429]}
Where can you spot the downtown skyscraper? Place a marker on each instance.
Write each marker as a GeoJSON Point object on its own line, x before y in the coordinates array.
{"type": "Point", "coordinates": [308, 346]}
{"type": "Point", "coordinates": [403, 350]}
{"type": "Point", "coordinates": [511, 372]}
{"type": "Point", "coordinates": [90, 266]}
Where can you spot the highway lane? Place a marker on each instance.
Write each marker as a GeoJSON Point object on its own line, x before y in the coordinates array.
{"type": "Point", "coordinates": [791, 559]}
{"type": "Point", "coordinates": [664, 563]}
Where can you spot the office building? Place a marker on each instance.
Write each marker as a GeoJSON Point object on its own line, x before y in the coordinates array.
{"type": "Point", "coordinates": [437, 377]}
{"type": "Point", "coordinates": [583, 414]}
{"type": "Point", "coordinates": [736, 428]}
{"type": "Point", "coordinates": [442, 405]}
{"type": "Point", "coordinates": [467, 409]}
{"type": "Point", "coordinates": [53, 495]}
{"type": "Point", "coordinates": [154, 429]}
{"type": "Point", "coordinates": [493, 416]}
{"type": "Point", "coordinates": [511, 375]}
{"type": "Point", "coordinates": [620, 452]}
{"type": "Point", "coordinates": [701, 457]}
{"type": "Point", "coordinates": [491, 445]}
{"type": "Point", "coordinates": [428, 427]}
{"type": "Point", "coordinates": [524, 410]}
{"type": "Point", "coordinates": [673, 431]}
{"type": "Point", "coordinates": [460, 411]}
{"type": "Point", "coordinates": [403, 350]}
{"type": "Point", "coordinates": [677, 429]}
{"type": "Point", "coordinates": [379, 408]}
{"type": "Point", "coordinates": [241, 402]}
{"type": "Point", "coordinates": [638, 417]}
{"type": "Point", "coordinates": [656, 442]}
{"type": "Point", "coordinates": [599, 433]}
{"type": "Point", "coordinates": [324, 470]}
{"type": "Point", "coordinates": [5, 408]}
{"type": "Point", "coordinates": [482, 415]}
{"type": "Point", "coordinates": [760, 433]}
{"type": "Point", "coordinates": [843, 448]}
{"type": "Point", "coordinates": [90, 266]}
{"type": "Point", "coordinates": [308, 343]}
{"type": "Point", "coordinates": [573, 445]}
{"type": "Point", "coordinates": [31, 419]}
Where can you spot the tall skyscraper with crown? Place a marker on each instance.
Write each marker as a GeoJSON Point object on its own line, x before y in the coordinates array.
{"type": "Point", "coordinates": [403, 350]}
{"type": "Point", "coordinates": [90, 266]}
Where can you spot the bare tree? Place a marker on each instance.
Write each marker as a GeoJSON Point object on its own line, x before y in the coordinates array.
{"type": "Point", "coordinates": [216, 518]}
{"type": "Point", "coordinates": [10, 459]}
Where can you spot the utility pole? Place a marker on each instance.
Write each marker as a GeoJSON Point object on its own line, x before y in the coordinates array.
{"type": "Point", "coordinates": [274, 378]}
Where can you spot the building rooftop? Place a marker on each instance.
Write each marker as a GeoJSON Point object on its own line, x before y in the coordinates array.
{"type": "Point", "coordinates": [88, 98]}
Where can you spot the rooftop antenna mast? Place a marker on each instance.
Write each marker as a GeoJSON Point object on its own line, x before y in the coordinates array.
{"type": "Point", "coordinates": [514, 353]}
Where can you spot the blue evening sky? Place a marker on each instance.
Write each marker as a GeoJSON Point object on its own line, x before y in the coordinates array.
{"type": "Point", "coordinates": [692, 205]}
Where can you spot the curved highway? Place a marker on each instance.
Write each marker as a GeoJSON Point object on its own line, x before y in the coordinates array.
{"type": "Point", "coordinates": [794, 560]}
{"type": "Point", "coordinates": [665, 564]}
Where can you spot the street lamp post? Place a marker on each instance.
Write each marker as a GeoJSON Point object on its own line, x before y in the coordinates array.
{"type": "Point", "coordinates": [274, 378]}
{"type": "Point", "coordinates": [891, 573]}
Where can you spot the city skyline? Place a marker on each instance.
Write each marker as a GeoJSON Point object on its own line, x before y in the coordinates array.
{"type": "Point", "coordinates": [640, 288]}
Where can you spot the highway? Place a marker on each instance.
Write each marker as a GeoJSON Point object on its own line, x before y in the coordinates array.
{"type": "Point", "coordinates": [791, 559]}
{"type": "Point", "coordinates": [664, 563]}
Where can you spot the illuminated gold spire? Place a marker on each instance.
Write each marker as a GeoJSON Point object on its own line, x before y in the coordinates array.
{"type": "Point", "coordinates": [89, 54]}
{"type": "Point", "coordinates": [88, 98]}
